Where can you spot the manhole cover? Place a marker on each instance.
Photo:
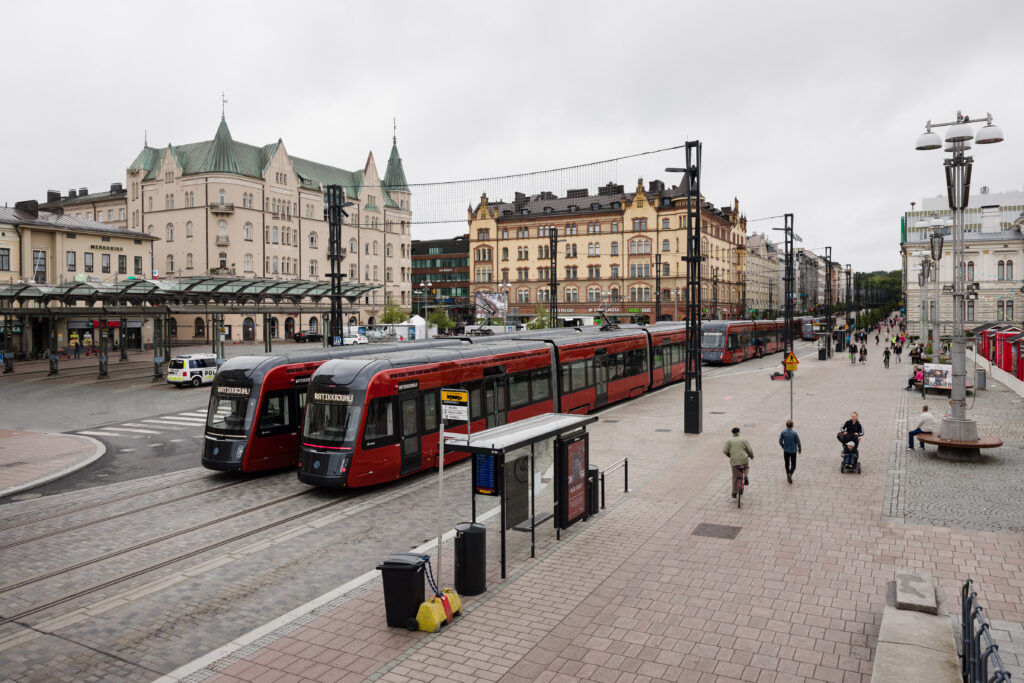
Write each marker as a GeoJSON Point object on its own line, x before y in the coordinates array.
{"type": "Point", "coordinates": [716, 531]}
{"type": "Point", "coordinates": [663, 430]}
{"type": "Point", "coordinates": [717, 412]}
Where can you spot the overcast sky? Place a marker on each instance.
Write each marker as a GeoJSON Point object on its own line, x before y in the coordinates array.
{"type": "Point", "coordinates": [810, 108]}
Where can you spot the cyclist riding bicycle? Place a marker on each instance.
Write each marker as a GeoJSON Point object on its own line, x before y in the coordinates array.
{"type": "Point", "coordinates": [740, 454]}
{"type": "Point", "coordinates": [852, 430]}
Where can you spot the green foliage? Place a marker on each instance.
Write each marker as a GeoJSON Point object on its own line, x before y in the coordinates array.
{"type": "Point", "coordinates": [393, 313]}
{"type": "Point", "coordinates": [541, 319]}
{"type": "Point", "coordinates": [439, 319]}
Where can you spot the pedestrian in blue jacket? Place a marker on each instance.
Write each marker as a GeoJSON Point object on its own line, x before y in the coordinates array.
{"type": "Point", "coordinates": [790, 442]}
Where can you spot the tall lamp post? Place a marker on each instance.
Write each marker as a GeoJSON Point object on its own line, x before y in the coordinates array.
{"type": "Point", "coordinates": [692, 395]}
{"type": "Point", "coordinates": [936, 247]}
{"type": "Point", "coordinates": [849, 301]}
{"type": "Point", "coordinates": [335, 210]}
{"type": "Point", "coordinates": [922, 279]}
{"type": "Point", "coordinates": [790, 236]}
{"type": "Point", "coordinates": [553, 282]}
{"type": "Point", "coordinates": [958, 185]}
{"type": "Point", "coordinates": [828, 301]}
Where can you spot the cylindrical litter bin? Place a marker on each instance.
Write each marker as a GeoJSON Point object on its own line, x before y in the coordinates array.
{"type": "Point", "coordinates": [822, 354]}
{"type": "Point", "coordinates": [593, 490]}
{"type": "Point", "coordinates": [403, 588]}
{"type": "Point", "coordinates": [470, 558]}
{"type": "Point", "coordinates": [979, 382]}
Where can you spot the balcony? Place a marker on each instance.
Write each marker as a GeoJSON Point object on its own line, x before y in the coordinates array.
{"type": "Point", "coordinates": [222, 208]}
{"type": "Point", "coordinates": [223, 241]}
{"type": "Point", "coordinates": [222, 271]}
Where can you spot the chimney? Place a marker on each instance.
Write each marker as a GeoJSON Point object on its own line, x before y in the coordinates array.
{"type": "Point", "coordinates": [520, 200]}
{"type": "Point", "coordinates": [72, 194]}
{"type": "Point", "coordinates": [115, 188]}
{"type": "Point", "coordinates": [52, 196]}
{"type": "Point", "coordinates": [29, 206]}
{"type": "Point", "coordinates": [82, 191]}
{"type": "Point", "coordinates": [609, 190]}
{"type": "Point", "coordinates": [656, 186]}
{"type": "Point", "coordinates": [574, 194]}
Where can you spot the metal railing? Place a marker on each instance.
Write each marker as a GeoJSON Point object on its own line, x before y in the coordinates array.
{"type": "Point", "coordinates": [624, 464]}
{"type": "Point", "coordinates": [978, 658]}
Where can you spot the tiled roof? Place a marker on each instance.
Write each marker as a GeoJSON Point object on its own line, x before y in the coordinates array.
{"type": "Point", "coordinates": [86, 198]}
{"type": "Point", "coordinates": [63, 221]}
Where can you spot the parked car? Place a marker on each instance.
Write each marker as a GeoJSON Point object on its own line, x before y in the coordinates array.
{"type": "Point", "coordinates": [308, 336]}
{"type": "Point", "coordinates": [356, 339]}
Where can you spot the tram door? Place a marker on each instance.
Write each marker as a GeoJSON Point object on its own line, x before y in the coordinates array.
{"type": "Point", "coordinates": [409, 409]}
{"type": "Point", "coordinates": [600, 377]}
{"type": "Point", "coordinates": [494, 400]}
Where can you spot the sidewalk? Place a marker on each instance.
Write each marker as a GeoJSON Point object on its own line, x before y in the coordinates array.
{"type": "Point", "coordinates": [29, 459]}
{"type": "Point", "coordinates": [672, 581]}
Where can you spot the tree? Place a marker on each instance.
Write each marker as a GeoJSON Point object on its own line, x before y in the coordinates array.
{"type": "Point", "coordinates": [393, 313]}
{"type": "Point", "coordinates": [439, 319]}
{"type": "Point", "coordinates": [540, 318]}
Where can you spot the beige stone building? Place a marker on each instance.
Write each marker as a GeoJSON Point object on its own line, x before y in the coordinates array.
{"type": "Point", "coordinates": [231, 209]}
{"type": "Point", "coordinates": [43, 248]}
{"type": "Point", "coordinates": [616, 250]}
{"type": "Point", "coordinates": [761, 278]}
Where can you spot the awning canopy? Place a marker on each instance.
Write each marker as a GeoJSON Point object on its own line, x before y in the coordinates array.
{"type": "Point", "coordinates": [179, 291]}
{"type": "Point", "coordinates": [509, 437]}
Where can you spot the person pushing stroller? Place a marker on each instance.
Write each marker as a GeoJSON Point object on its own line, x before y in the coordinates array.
{"type": "Point", "coordinates": [850, 436]}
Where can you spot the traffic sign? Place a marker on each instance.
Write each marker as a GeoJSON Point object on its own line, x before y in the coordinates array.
{"type": "Point", "coordinates": [790, 362]}
{"type": "Point", "coordinates": [455, 404]}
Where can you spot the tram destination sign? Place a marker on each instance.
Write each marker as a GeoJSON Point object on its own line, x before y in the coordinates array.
{"type": "Point", "coordinates": [331, 397]}
{"type": "Point", "coordinates": [455, 404]}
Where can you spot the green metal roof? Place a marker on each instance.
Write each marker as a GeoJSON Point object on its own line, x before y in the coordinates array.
{"type": "Point", "coordinates": [225, 155]}
{"type": "Point", "coordinates": [195, 290]}
{"type": "Point", "coordinates": [394, 177]}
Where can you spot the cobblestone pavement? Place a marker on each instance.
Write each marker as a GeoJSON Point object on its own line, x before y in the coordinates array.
{"type": "Point", "coordinates": [637, 595]}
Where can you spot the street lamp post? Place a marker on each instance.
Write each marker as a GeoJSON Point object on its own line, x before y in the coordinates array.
{"type": "Point", "coordinates": [714, 293]}
{"type": "Point", "coordinates": [553, 287]}
{"type": "Point", "coordinates": [692, 396]}
{"type": "Point", "coordinates": [790, 236]}
{"type": "Point", "coordinates": [936, 247]}
{"type": "Point", "coordinates": [958, 183]}
{"type": "Point", "coordinates": [926, 316]}
{"type": "Point", "coordinates": [828, 301]}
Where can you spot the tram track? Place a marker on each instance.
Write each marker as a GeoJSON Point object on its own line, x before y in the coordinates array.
{"type": "Point", "coordinates": [357, 505]}
{"type": "Point", "coordinates": [118, 515]}
{"type": "Point", "coordinates": [70, 509]}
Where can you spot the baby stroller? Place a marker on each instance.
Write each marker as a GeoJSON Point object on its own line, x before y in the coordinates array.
{"type": "Point", "coordinates": [850, 455]}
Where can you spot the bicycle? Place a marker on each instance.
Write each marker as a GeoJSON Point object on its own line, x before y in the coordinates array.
{"type": "Point", "coordinates": [737, 484]}
{"type": "Point", "coordinates": [885, 360]}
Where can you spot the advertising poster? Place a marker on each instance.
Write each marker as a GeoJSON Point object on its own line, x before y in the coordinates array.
{"type": "Point", "coordinates": [571, 473]}
{"type": "Point", "coordinates": [938, 376]}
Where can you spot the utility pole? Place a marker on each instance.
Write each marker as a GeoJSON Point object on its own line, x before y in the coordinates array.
{"type": "Point", "coordinates": [553, 256]}
{"type": "Point", "coordinates": [828, 299]}
{"type": "Point", "coordinates": [335, 210]}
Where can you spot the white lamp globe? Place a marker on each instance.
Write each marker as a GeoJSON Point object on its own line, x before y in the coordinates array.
{"type": "Point", "coordinates": [928, 140]}
{"type": "Point", "coordinates": [989, 134]}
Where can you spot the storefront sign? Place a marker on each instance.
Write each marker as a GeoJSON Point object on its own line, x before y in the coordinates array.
{"type": "Point", "coordinates": [106, 247]}
{"type": "Point", "coordinates": [571, 472]}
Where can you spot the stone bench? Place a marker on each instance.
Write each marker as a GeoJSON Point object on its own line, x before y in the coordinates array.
{"type": "Point", "coordinates": [916, 640]}
{"type": "Point", "coordinates": [960, 451]}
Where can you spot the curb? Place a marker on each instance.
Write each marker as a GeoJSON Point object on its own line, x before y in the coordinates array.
{"type": "Point", "coordinates": [99, 452]}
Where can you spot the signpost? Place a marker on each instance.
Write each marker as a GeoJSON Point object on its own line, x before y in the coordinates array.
{"type": "Point", "coordinates": [454, 406]}
{"type": "Point", "coordinates": [790, 363]}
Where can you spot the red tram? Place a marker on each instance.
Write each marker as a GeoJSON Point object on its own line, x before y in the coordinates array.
{"type": "Point", "coordinates": [375, 419]}
{"type": "Point", "coordinates": [734, 341]}
{"type": "Point", "coordinates": [256, 405]}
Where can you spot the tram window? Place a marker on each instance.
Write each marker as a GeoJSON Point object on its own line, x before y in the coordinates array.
{"type": "Point", "coordinates": [380, 421]}
{"type": "Point", "coordinates": [579, 375]}
{"type": "Point", "coordinates": [430, 411]}
{"type": "Point", "coordinates": [637, 360]}
{"type": "Point", "coordinates": [476, 403]}
{"type": "Point", "coordinates": [659, 356]}
{"type": "Point", "coordinates": [540, 386]}
{"type": "Point", "coordinates": [566, 379]}
{"type": "Point", "coordinates": [518, 390]}
{"type": "Point", "coordinates": [275, 413]}
{"type": "Point", "coordinates": [410, 421]}
{"type": "Point", "coordinates": [302, 400]}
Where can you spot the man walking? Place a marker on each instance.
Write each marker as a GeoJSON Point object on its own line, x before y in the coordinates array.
{"type": "Point", "coordinates": [925, 425]}
{"type": "Point", "coordinates": [790, 442]}
{"type": "Point", "coordinates": [740, 454]}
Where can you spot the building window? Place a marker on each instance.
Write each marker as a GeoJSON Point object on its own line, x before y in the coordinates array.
{"type": "Point", "coordinates": [247, 263]}
{"type": "Point", "coordinates": [120, 214]}
{"type": "Point", "coordinates": [1009, 270]}
{"type": "Point", "coordinates": [665, 245]}
{"type": "Point", "coordinates": [366, 273]}
{"type": "Point", "coordinates": [614, 293]}
{"type": "Point", "coordinates": [220, 196]}
{"type": "Point", "coordinates": [88, 262]}
{"type": "Point", "coordinates": [150, 203]}
{"type": "Point", "coordinates": [615, 272]}
{"type": "Point", "coordinates": [352, 247]}
{"type": "Point", "coordinates": [1001, 270]}
{"type": "Point", "coordinates": [483, 234]}
{"type": "Point", "coordinates": [274, 263]}
{"type": "Point", "coordinates": [352, 272]}
{"type": "Point", "coordinates": [666, 270]}
{"type": "Point", "coordinates": [312, 241]}
{"type": "Point", "coordinates": [1000, 312]}
{"type": "Point", "coordinates": [105, 263]}
{"type": "Point", "coordinates": [188, 261]}
{"type": "Point", "coordinates": [375, 248]}
{"type": "Point", "coordinates": [170, 232]}
{"type": "Point", "coordinates": [138, 265]}
{"type": "Point", "coordinates": [970, 271]}
{"type": "Point", "coordinates": [170, 265]}
{"type": "Point", "coordinates": [1009, 309]}
{"type": "Point", "coordinates": [273, 234]}
{"type": "Point", "coordinates": [122, 264]}
{"type": "Point", "coordinates": [247, 231]}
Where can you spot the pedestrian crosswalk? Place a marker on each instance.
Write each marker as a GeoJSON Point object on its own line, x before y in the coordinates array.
{"type": "Point", "coordinates": [177, 423]}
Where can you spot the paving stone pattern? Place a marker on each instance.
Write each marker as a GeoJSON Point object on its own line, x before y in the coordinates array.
{"type": "Point", "coordinates": [634, 595]}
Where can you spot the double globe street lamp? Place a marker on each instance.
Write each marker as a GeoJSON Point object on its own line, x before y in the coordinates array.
{"type": "Point", "coordinates": [958, 184]}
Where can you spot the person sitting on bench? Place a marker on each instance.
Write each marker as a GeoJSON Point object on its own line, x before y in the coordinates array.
{"type": "Point", "coordinates": [918, 376]}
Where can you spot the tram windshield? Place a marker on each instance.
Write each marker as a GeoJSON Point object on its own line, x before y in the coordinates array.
{"type": "Point", "coordinates": [227, 414]}
{"type": "Point", "coordinates": [712, 340]}
{"type": "Point", "coordinates": [335, 423]}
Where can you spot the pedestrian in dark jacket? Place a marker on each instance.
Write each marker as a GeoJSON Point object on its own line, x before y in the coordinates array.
{"type": "Point", "coordinates": [790, 442]}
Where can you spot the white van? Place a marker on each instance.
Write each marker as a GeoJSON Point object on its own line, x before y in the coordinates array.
{"type": "Point", "coordinates": [192, 368]}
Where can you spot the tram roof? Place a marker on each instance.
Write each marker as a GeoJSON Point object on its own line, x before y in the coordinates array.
{"type": "Point", "coordinates": [200, 289]}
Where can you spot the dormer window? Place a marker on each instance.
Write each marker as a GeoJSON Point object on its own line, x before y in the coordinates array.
{"type": "Point", "coordinates": [616, 205]}
{"type": "Point", "coordinates": [573, 208]}
{"type": "Point", "coordinates": [525, 212]}
{"type": "Point", "coordinates": [548, 209]}
{"type": "Point", "coordinates": [506, 212]}
{"type": "Point", "coordinates": [595, 206]}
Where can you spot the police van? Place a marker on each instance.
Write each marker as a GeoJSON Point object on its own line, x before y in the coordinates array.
{"type": "Point", "coordinates": [192, 368]}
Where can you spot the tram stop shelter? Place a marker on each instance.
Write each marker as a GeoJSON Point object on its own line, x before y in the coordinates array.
{"type": "Point", "coordinates": [505, 465]}
{"type": "Point", "coordinates": [41, 315]}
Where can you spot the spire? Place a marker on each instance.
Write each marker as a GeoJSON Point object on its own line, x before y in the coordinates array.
{"type": "Point", "coordinates": [394, 177]}
{"type": "Point", "coordinates": [221, 156]}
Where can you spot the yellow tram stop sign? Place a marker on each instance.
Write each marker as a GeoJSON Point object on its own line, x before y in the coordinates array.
{"type": "Point", "coordinates": [791, 362]}
{"type": "Point", "coordinates": [455, 404]}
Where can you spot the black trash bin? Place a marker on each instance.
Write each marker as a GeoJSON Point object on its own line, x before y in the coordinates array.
{"type": "Point", "coordinates": [593, 490]}
{"type": "Point", "coordinates": [403, 588]}
{"type": "Point", "coordinates": [470, 558]}
{"type": "Point", "coordinates": [822, 354]}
